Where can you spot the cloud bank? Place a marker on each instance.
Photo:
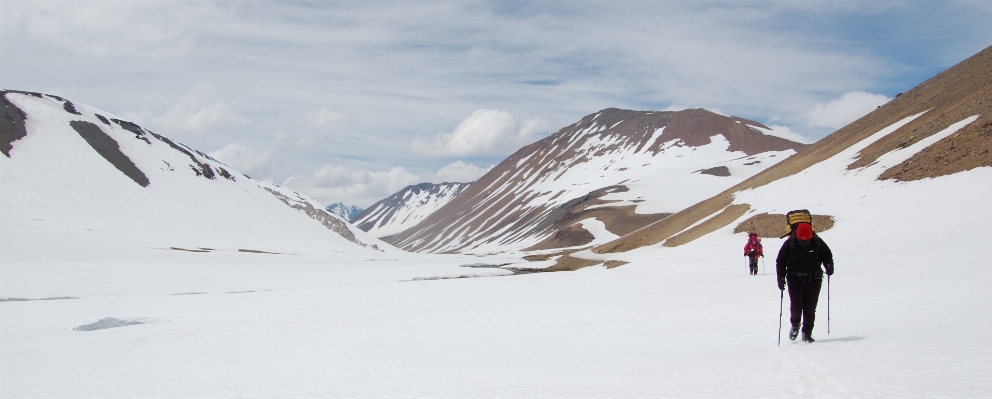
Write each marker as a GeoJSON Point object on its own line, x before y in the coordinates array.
{"type": "Point", "coordinates": [849, 107]}
{"type": "Point", "coordinates": [485, 132]}
{"type": "Point", "coordinates": [353, 186]}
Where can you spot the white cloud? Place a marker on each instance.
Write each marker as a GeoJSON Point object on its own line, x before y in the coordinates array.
{"type": "Point", "coordinates": [339, 183]}
{"type": "Point", "coordinates": [679, 107]}
{"type": "Point", "coordinates": [849, 107]}
{"type": "Point", "coordinates": [248, 160]}
{"type": "Point", "coordinates": [459, 172]}
{"type": "Point", "coordinates": [485, 132]}
{"type": "Point", "coordinates": [148, 29]}
{"type": "Point", "coordinates": [786, 133]}
{"type": "Point", "coordinates": [324, 117]}
{"type": "Point", "coordinates": [195, 112]}
{"type": "Point", "coordinates": [306, 143]}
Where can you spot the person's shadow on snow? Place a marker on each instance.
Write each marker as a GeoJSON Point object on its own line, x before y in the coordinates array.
{"type": "Point", "coordinates": [845, 339]}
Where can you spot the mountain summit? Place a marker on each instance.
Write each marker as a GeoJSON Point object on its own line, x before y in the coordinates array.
{"type": "Point", "coordinates": [608, 174]}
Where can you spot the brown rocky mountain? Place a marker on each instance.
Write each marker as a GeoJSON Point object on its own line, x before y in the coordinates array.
{"type": "Point", "coordinates": [953, 110]}
{"type": "Point", "coordinates": [608, 174]}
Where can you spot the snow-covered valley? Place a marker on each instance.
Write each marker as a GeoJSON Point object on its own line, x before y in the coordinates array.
{"type": "Point", "coordinates": [675, 322]}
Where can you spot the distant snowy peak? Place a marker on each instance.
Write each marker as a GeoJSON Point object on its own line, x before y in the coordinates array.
{"type": "Point", "coordinates": [344, 211]}
{"type": "Point", "coordinates": [623, 168]}
{"type": "Point", "coordinates": [66, 150]}
{"type": "Point", "coordinates": [406, 208]}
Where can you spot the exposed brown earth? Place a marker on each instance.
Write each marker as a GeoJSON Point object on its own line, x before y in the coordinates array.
{"type": "Point", "coordinates": [189, 250]}
{"type": "Point", "coordinates": [569, 263]}
{"type": "Point", "coordinates": [11, 124]}
{"type": "Point", "coordinates": [255, 251]}
{"type": "Point", "coordinates": [619, 220]}
{"type": "Point", "coordinates": [570, 236]}
{"type": "Point", "coordinates": [953, 95]}
{"type": "Point", "coordinates": [727, 215]}
{"type": "Point", "coordinates": [109, 149]}
{"type": "Point", "coordinates": [721, 171]}
{"type": "Point", "coordinates": [614, 263]}
{"type": "Point", "coordinates": [961, 91]}
{"type": "Point", "coordinates": [667, 227]}
{"type": "Point", "coordinates": [969, 148]}
{"type": "Point", "coordinates": [774, 225]}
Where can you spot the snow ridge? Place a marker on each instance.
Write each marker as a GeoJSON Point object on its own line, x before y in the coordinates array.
{"type": "Point", "coordinates": [70, 166]}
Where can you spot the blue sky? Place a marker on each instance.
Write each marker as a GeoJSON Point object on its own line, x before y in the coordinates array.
{"type": "Point", "coordinates": [351, 101]}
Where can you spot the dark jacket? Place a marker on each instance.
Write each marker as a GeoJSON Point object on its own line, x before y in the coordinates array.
{"type": "Point", "coordinates": [795, 259]}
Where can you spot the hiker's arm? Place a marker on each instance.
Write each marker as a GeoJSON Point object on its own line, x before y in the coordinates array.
{"type": "Point", "coordinates": [782, 261]}
{"type": "Point", "coordinates": [826, 257]}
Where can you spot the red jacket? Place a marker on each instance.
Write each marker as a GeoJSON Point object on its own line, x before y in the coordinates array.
{"type": "Point", "coordinates": [756, 247]}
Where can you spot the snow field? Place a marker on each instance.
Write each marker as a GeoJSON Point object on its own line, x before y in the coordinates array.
{"type": "Point", "coordinates": [676, 322]}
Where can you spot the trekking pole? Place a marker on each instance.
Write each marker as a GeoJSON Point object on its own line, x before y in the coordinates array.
{"type": "Point", "coordinates": [763, 268]}
{"type": "Point", "coordinates": [828, 304]}
{"type": "Point", "coordinates": [781, 298]}
{"type": "Point", "coordinates": [747, 268]}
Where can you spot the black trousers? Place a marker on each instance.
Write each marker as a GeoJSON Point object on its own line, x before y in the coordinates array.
{"type": "Point", "coordinates": [754, 265]}
{"type": "Point", "coordinates": [804, 292]}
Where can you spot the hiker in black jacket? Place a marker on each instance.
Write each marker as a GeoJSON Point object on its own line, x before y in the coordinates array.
{"type": "Point", "coordinates": [798, 263]}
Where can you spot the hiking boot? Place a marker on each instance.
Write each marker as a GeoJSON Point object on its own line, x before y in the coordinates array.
{"type": "Point", "coordinates": [808, 338]}
{"type": "Point", "coordinates": [793, 333]}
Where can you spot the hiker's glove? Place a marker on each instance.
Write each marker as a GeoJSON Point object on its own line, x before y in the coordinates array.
{"type": "Point", "coordinates": [830, 268]}
{"type": "Point", "coordinates": [781, 283]}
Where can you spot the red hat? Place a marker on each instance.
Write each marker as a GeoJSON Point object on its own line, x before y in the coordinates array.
{"type": "Point", "coordinates": [804, 231]}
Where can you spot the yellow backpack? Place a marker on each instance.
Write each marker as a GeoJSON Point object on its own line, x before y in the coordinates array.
{"type": "Point", "coordinates": [793, 219]}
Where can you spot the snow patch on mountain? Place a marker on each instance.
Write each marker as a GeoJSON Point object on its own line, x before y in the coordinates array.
{"type": "Point", "coordinates": [406, 208]}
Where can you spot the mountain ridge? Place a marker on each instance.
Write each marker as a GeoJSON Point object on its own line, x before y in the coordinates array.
{"type": "Point", "coordinates": [527, 198]}
{"type": "Point", "coordinates": [406, 208]}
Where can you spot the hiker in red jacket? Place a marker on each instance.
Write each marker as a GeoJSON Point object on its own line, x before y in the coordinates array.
{"type": "Point", "coordinates": [752, 250]}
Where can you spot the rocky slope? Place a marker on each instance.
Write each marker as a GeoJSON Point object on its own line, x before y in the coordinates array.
{"type": "Point", "coordinates": [406, 208]}
{"type": "Point", "coordinates": [609, 174]}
